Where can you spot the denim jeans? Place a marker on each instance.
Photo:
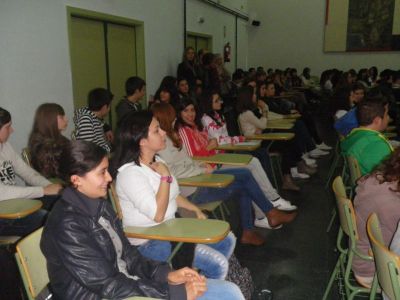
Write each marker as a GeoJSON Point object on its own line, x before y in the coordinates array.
{"type": "Point", "coordinates": [244, 186]}
{"type": "Point", "coordinates": [221, 290]}
{"type": "Point", "coordinates": [211, 259]}
{"type": "Point", "coordinates": [23, 226]}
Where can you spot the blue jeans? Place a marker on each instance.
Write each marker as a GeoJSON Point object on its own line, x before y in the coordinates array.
{"type": "Point", "coordinates": [221, 290]}
{"type": "Point", "coordinates": [211, 259]}
{"type": "Point", "coordinates": [23, 226]}
{"type": "Point", "coordinates": [244, 186]}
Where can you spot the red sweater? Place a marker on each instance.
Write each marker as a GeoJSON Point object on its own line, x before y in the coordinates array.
{"type": "Point", "coordinates": [195, 141]}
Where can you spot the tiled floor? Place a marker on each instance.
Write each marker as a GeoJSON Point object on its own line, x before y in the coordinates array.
{"type": "Point", "coordinates": [296, 261]}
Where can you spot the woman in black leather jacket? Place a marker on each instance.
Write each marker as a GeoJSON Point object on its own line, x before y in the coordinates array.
{"type": "Point", "coordinates": [88, 255]}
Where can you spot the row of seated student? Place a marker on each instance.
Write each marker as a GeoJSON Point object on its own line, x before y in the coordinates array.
{"type": "Point", "coordinates": [377, 191]}
{"type": "Point", "coordinates": [212, 113]}
{"type": "Point", "coordinates": [49, 153]}
{"type": "Point", "coordinates": [88, 126]}
{"type": "Point", "coordinates": [360, 108]}
{"type": "Point", "coordinates": [59, 123]}
{"type": "Point", "coordinates": [103, 110]}
{"type": "Point", "coordinates": [74, 240]}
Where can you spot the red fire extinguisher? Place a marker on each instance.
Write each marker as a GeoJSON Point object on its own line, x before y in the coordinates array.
{"type": "Point", "coordinates": [227, 52]}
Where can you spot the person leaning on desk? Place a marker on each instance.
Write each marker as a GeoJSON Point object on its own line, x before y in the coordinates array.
{"type": "Point", "coordinates": [11, 166]}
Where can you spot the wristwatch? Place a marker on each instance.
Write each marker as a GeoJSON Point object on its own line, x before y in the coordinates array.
{"type": "Point", "coordinates": [166, 178]}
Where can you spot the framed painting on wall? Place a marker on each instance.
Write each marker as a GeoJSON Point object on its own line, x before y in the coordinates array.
{"type": "Point", "coordinates": [362, 25]}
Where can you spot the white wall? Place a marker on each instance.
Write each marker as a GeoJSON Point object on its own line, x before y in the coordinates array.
{"type": "Point", "coordinates": [292, 33]}
{"type": "Point", "coordinates": [34, 55]}
{"type": "Point", "coordinates": [242, 48]}
{"type": "Point", "coordinates": [214, 22]}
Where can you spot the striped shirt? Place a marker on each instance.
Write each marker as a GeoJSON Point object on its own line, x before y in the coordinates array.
{"type": "Point", "coordinates": [88, 127]}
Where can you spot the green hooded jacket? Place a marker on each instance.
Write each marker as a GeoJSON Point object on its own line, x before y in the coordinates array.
{"type": "Point", "coordinates": [369, 147]}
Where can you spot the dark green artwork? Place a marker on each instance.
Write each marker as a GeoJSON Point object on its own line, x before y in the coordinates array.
{"type": "Point", "coordinates": [370, 26]}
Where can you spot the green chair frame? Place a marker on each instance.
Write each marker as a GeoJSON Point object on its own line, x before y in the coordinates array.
{"type": "Point", "coordinates": [349, 186]}
{"type": "Point", "coordinates": [336, 157]}
{"type": "Point", "coordinates": [32, 265]}
{"type": "Point", "coordinates": [387, 263]}
{"type": "Point", "coordinates": [26, 156]}
{"type": "Point", "coordinates": [348, 229]}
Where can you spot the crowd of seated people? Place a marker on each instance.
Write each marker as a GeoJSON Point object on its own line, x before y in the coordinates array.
{"type": "Point", "coordinates": [190, 115]}
{"type": "Point", "coordinates": [361, 105]}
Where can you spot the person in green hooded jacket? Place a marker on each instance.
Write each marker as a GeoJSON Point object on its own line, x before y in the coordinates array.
{"type": "Point", "coordinates": [366, 143]}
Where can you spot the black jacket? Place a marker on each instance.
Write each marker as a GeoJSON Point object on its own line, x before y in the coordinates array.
{"type": "Point", "coordinates": [124, 107]}
{"type": "Point", "coordinates": [81, 258]}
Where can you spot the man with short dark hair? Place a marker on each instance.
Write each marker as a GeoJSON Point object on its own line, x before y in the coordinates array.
{"type": "Point", "coordinates": [135, 88]}
{"type": "Point", "coordinates": [88, 120]}
{"type": "Point", "coordinates": [366, 143]}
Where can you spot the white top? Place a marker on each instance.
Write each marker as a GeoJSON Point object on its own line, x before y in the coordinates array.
{"type": "Point", "coordinates": [218, 132]}
{"type": "Point", "coordinates": [137, 187]}
{"type": "Point", "coordinates": [12, 165]}
{"type": "Point", "coordinates": [249, 123]}
{"type": "Point", "coordinates": [340, 113]}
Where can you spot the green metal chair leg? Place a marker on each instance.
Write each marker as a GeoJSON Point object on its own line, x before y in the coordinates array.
{"type": "Point", "coordinates": [173, 253]}
{"type": "Point", "coordinates": [332, 170]}
{"type": "Point", "coordinates": [374, 288]}
{"type": "Point", "coordinates": [221, 211]}
{"type": "Point", "coordinates": [274, 176]}
{"type": "Point", "coordinates": [332, 220]}
{"type": "Point", "coordinates": [228, 213]}
{"type": "Point", "coordinates": [332, 278]}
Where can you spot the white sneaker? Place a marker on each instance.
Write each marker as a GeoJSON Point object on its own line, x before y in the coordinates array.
{"type": "Point", "coordinates": [324, 146]}
{"type": "Point", "coordinates": [283, 204]}
{"type": "Point", "coordinates": [295, 174]}
{"type": "Point", "coordinates": [317, 153]}
{"type": "Point", "coordinates": [263, 223]}
{"type": "Point", "coordinates": [309, 161]}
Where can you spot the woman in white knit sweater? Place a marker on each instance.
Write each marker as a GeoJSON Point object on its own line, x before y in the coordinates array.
{"type": "Point", "coordinates": [12, 165]}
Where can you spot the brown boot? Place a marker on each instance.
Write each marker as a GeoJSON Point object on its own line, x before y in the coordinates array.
{"type": "Point", "coordinates": [288, 184]}
{"type": "Point", "coordinates": [277, 217]}
{"type": "Point", "coordinates": [251, 237]}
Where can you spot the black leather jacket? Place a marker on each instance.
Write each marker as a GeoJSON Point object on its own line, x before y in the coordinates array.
{"type": "Point", "coordinates": [82, 261]}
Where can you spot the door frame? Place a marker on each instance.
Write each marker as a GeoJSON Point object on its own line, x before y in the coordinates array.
{"type": "Point", "coordinates": [209, 37]}
{"type": "Point", "coordinates": [102, 17]}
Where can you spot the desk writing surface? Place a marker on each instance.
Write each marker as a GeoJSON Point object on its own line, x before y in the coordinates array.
{"type": "Point", "coordinates": [242, 146]}
{"type": "Point", "coordinates": [18, 208]}
{"type": "Point", "coordinates": [272, 136]}
{"type": "Point", "coordinates": [280, 124]}
{"type": "Point", "coordinates": [226, 159]}
{"type": "Point", "coordinates": [189, 230]}
{"type": "Point", "coordinates": [292, 116]}
{"type": "Point", "coordinates": [207, 180]}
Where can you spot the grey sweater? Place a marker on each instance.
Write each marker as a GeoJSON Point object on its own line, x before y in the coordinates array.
{"type": "Point", "coordinates": [180, 164]}
{"type": "Point", "coordinates": [12, 165]}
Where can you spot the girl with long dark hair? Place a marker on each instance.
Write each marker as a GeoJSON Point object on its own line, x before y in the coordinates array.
{"type": "Point", "coordinates": [149, 194]}
{"type": "Point", "coordinates": [214, 123]}
{"type": "Point", "coordinates": [46, 140]}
